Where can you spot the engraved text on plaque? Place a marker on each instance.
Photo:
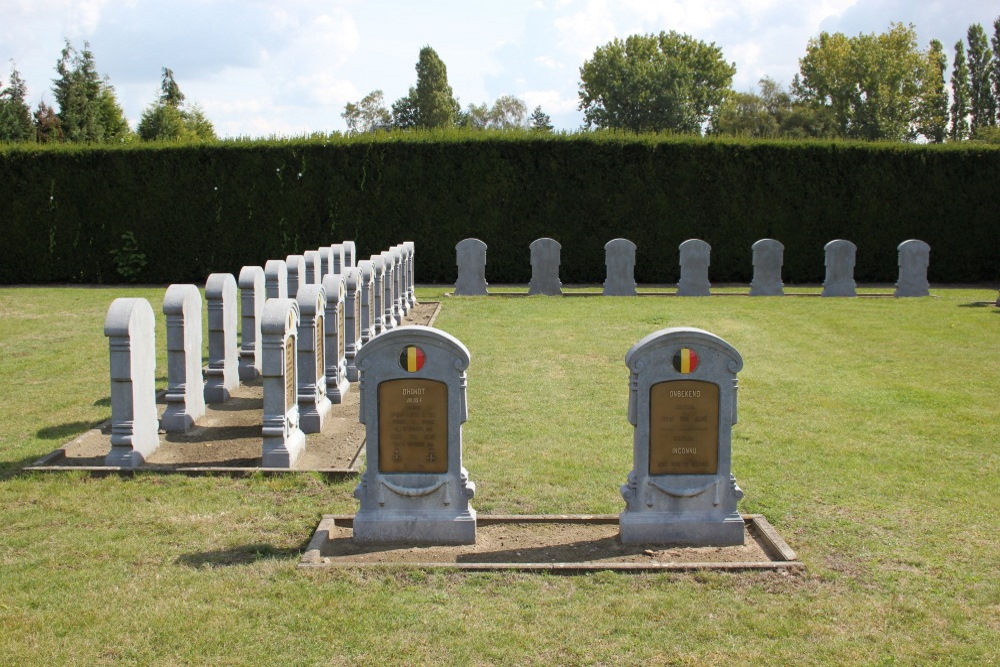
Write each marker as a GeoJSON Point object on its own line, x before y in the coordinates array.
{"type": "Point", "coordinates": [413, 426]}
{"type": "Point", "coordinates": [290, 379]}
{"type": "Point", "coordinates": [684, 428]}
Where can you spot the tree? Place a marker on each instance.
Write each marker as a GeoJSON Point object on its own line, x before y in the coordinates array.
{"type": "Point", "coordinates": [48, 128]}
{"type": "Point", "coordinates": [744, 115]}
{"type": "Point", "coordinates": [367, 115]}
{"type": "Point", "coordinates": [959, 95]}
{"type": "Point", "coordinates": [112, 115]}
{"type": "Point", "coordinates": [475, 117]}
{"type": "Point", "coordinates": [982, 105]}
{"type": "Point", "coordinates": [870, 82]}
{"type": "Point", "coordinates": [508, 113]}
{"type": "Point", "coordinates": [15, 116]}
{"type": "Point", "coordinates": [996, 66]}
{"type": "Point", "coordinates": [654, 83]}
{"type": "Point", "coordinates": [170, 92]}
{"type": "Point", "coordinates": [88, 110]}
{"type": "Point", "coordinates": [167, 120]}
{"type": "Point", "coordinates": [436, 106]}
{"type": "Point", "coordinates": [932, 116]}
{"type": "Point", "coordinates": [404, 111]}
{"type": "Point", "coordinates": [540, 121]}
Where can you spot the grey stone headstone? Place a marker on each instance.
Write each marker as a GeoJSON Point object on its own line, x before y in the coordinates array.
{"type": "Point", "coordinates": [338, 258]}
{"type": "Point", "coordinates": [185, 395]}
{"type": "Point", "coordinates": [404, 271]}
{"type": "Point", "coordinates": [768, 258]}
{"type": "Point", "coordinates": [545, 260]}
{"type": "Point", "coordinates": [296, 274]}
{"type": "Point", "coordinates": [337, 384]}
{"type": "Point", "coordinates": [284, 441]}
{"type": "Point", "coordinates": [314, 405]}
{"type": "Point", "coordinates": [252, 297]}
{"type": "Point", "coordinates": [313, 276]}
{"type": "Point", "coordinates": [131, 331]}
{"type": "Point", "coordinates": [276, 279]}
{"type": "Point", "coordinates": [413, 404]}
{"type": "Point", "coordinates": [325, 261]}
{"type": "Point", "coordinates": [222, 375]}
{"type": "Point", "coordinates": [411, 293]}
{"type": "Point", "coordinates": [839, 262]}
{"type": "Point", "coordinates": [389, 320]}
{"type": "Point", "coordinates": [367, 297]}
{"type": "Point", "coordinates": [619, 258]}
{"type": "Point", "coordinates": [378, 294]}
{"type": "Point", "coordinates": [350, 255]}
{"type": "Point", "coordinates": [352, 320]}
{"type": "Point", "coordinates": [914, 258]}
{"type": "Point", "coordinates": [470, 256]}
{"type": "Point", "coordinates": [398, 311]}
{"type": "Point", "coordinates": [682, 403]}
{"type": "Point", "coordinates": [695, 259]}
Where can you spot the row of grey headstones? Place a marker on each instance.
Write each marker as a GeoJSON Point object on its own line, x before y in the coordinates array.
{"type": "Point", "coordinates": [304, 319]}
{"type": "Point", "coordinates": [695, 256]}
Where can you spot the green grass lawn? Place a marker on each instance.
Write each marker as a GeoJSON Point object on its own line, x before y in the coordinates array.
{"type": "Point", "coordinates": [868, 435]}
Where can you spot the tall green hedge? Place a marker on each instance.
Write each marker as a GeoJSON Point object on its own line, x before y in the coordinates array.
{"type": "Point", "coordinates": [69, 214]}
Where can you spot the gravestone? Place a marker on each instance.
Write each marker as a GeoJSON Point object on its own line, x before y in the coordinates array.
{"type": "Point", "coordinates": [545, 267]}
{"type": "Point", "coordinates": [768, 258]}
{"type": "Point", "coordinates": [252, 296]}
{"type": "Point", "coordinates": [314, 405]}
{"type": "Point", "coordinates": [378, 294]}
{"type": "Point", "coordinates": [337, 384]}
{"type": "Point", "coordinates": [352, 320]}
{"type": "Point", "coordinates": [695, 259]}
{"type": "Point", "coordinates": [325, 261]}
{"type": "Point", "coordinates": [276, 279]}
{"type": "Point", "coordinates": [313, 276]}
{"type": "Point", "coordinates": [350, 255]}
{"type": "Point", "coordinates": [389, 321]}
{"type": "Point", "coordinates": [411, 292]}
{"type": "Point", "coordinates": [284, 441]}
{"type": "Point", "coordinates": [404, 269]}
{"type": "Point", "coordinates": [367, 297]}
{"type": "Point", "coordinates": [222, 375]}
{"type": "Point", "coordinates": [338, 258]}
{"type": "Point", "coordinates": [682, 403]}
{"type": "Point", "coordinates": [398, 311]}
{"type": "Point", "coordinates": [914, 258]}
{"type": "Point", "coordinates": [131, 330]}
{"type": "Point", "coordinates": [413, 405]}
{"type": "Point", "coordinates": [839, 262]}
{"type": "Point", "coordinates": [470, 256]}
{"type": "Point", "coordinates": [619, 258]}
{"type": "Point", "coordinates": [296, 274]}
{"type": "Point", "coordinates": [185, 395]}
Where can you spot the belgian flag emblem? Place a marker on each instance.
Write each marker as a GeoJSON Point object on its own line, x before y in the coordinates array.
{"type": "Point", "coordinates": [685, 361]}
{"type": "Point", "coordinates": [412, 359]}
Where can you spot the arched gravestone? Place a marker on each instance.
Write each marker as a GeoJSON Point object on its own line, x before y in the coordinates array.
{"type": "Point", "coordinates": [768, 258]}
{"type": "Point", "coordinates": [404, 269]}
{"type": "Point", "coordinates": [222, 375]}
{"type": "Point", "coordinates": [296, 273]}
{"type": "Point", "coordinates": [411, 294]}
{"type": "Point", "coordinates": [314, 405]}
{"type": "Point", "coordinates": [470, 256]}
{"type": "Point", "coordinates": [185, 395]}
{"type": "Point", "coordinates": [839, 263]}
{"type": "Point", "coordinates": [252, 297]}
{"type": "Point", "coordinates": [378, 294]}
{"type": "Point", "coordinates": [682, 403]}
{"type": "Point", "coordinates": [325, 261]}
{"type": "Point", "coordinates": [283, 439]}
{"type": "Point", "coordinates": [413, 404]}
{"type": "Point", "coordinates": [388, 292]}
{"type": "Point", "coordinates": [398, 311]}
{"type": "Point", "coordinates": [914, 258]}
{"type": "Point", "coordinates": [338, 258]}
{"type": "Point", "coordinates": [367, 298]}
{"type": "Point", "coordinates": [313, 276]}
{"type": "Point", "coordinates": [350, 255]}
{"type": "Point", "coordinates": [695, 257]}
{"type": "Point", "coordinates": [619, 258]}
{"type": "Point", "coordinates": [352, 320]}
{"type": "Point", "coordinates": [276, 279]}
{"type": "Point", "coordinates": [545, 260]}
{"type": "Point", "coordinates": [337, 384]}
{"type": "Point", "coordinates": [131, 330]}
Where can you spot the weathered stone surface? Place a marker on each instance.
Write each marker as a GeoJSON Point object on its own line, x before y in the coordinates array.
{"type": "Point", "coordinates": [296, 265]}
{"type": "Point", "coordinates": [545, 260]}
{"type": "Point", "coordinates": [378, 294]}
{"type": "Point", "coordinates": [619, 258]}
{"type": "Point", "coordinates": [337, 384]}
{"type": "Point", "coordinates": [914, 258]}
{"type": "Point", "coordinates": [839, 262]}
{"type": "Point", "coordinates": [682, 403]}
{"type": "Point", "coordinates": [367, 298]}
{"type": "Point", "coordinates": [352, 319]}
{"type": "Point", "coordinates": [185, 395]}
{"type": "Point", "coordinates": [276, 279]}
{"type": "Point", "coordinates": [768, 258]}
{"type": "Point", "coordinates": [470, 256]}
{"type": "Point", "coordinates": [283, 440]}
{"type": "Point", "coordinates": [413, 404]}
{"type": "Point", "coordinates": [131, 331]}
{"type": "Point", "coordinates": [398, 309]}
{"type": "Point", "coordinates": [314, 405]}
{"type": "Point", "coordinates": [389, 320]}
{"type": "Point", "coordinates": [222, 374]}
{"type": "Point", "coordinates": [695, 259]}
{"type": "Point", "coordinates": [252, 297]}
{"type": "Point", "coordinates": [411, 294]}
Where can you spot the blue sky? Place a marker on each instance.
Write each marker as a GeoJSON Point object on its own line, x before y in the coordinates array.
{"type": "Point", "coordinates": [260, 68]}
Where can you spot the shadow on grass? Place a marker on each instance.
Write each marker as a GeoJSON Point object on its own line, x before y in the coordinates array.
{"type": "Point", "coordinates": [242, 555]}
{"type": "Point", "coordinates": [11, 469]}
{"type": "Point", "coordinates": [103, 402]}
{"type": "Point", "coordinates": [64, 431]}
{"type": "Point", "coordinates": [979, 304]}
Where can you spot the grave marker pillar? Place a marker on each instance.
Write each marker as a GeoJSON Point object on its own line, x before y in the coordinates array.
{"type": "Point", "coordinates": [619, 258]}
{"type": "Point", "coordinates": [545, 259]}
{"type": "Point", "coordinates": [695, 259]}
{"type": "Point", "coordinates": [252, 296]}
{"type": "Point", "coordinates": [222, 374]}
{"type": "Point", "coordinates": [185, 395]}
{"type": "Point", "coordinates": [337, 384]}
{"type": "Point", "coordinates": [768, 257]}
{"type": "Point", "coordinates": [470, 256]}
{"type": "Point", "coordinates": [283, 439]}
{"type": "Point", "coordinates": [914, 258]}
{"type": "Point", "coordinates": [840, 256]}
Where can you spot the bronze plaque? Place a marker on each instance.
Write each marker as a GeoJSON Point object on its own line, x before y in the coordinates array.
{"type": "Point", "coordinates": [684, 428]}
{"type": "Point", "coordinates": [320, 348]}
{"type": "Point", "coordinates": [371, 309]}
{"type": "Point", "coordinates": [413, 426]}
{"type": "Point", "coordinates": [341, 333]}
{"type": "Point", "coordinates": [290, 389]}
{"type": "Point", "coordinates": [357, 319]}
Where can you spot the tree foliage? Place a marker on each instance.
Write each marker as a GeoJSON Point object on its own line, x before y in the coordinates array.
{"type": "Point", "coordinates": [367, 115]}
{"type": "Point", "coordinates": [654, 83]}
{"type": "Point", "coordinates": [436, 105]}
{"type": "Point", "coordinates": [15, 116]}
{"type": "Point", "coordinates": [167, 119]}
{"type": "Point", "coordinates": [959, 95]}
{"type": "Point", "coordinates": [88, 110]}
{"type": "Point", "coordinates": [507, 113]}
{"type": "Point", "coordinates": [540, 121]}
{"type": "Point", "coordinates": [982, 104]}
{"type": "Point", "coordinates": [932, 116]}
{"type": "Point", "coordinates": [771, 113]}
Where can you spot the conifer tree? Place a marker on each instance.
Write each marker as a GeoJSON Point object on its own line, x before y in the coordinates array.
{"type": "Point", "coordinates": [959, 95]}
{"type": "Point", "coordinates": [15, 116]}
{"type": "Point", "coordinates": [982, 105]}
{"type": "Point", "coordinates": [933, 106]}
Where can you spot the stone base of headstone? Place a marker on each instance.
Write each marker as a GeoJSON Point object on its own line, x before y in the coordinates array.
{"type": "Point", "coordinates": [130, 456]}
{"type": "Point", "coordinates": [176, 419]}
{"type": "Point", "coordinates": [312, 415]}
{"type": "Point", "coordinates": [669, 512]}
{"type": "Point", "coordinates": [278, 452]}
{"type": "Point", "coordinates": [337, 392]}
{"type": "Point", "coordinates": [655, 528]}
{"type": "Point", "coordinates": [437, 528]}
